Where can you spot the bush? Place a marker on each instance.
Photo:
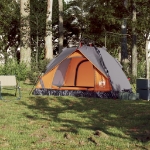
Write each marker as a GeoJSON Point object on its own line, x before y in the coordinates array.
{"type": "Point", "coordinates": [133, 79]}
{"type": "Point", "coordinates": [37, 70]}
{"type": "Point", "coordinates": [13, 68]}
{"type": "Point", "coordinates": [127, 69]}
{"type": "Point", "coordinates": [141, 71]}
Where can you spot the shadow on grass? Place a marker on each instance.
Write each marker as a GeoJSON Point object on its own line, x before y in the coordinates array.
{"type": "Point", "coordinates": [8, 94]}
{"type": "Point", "coordinates": [131, 119]}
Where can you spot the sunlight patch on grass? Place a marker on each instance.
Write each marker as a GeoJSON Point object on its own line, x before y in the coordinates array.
{"type": "Point", "coordinates": [113, 116]}
{"type": "Point", "coordinates": [115, 131]}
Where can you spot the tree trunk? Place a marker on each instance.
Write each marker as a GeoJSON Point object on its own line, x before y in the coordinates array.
{"type": "Point", "coordinates": [48, 37]}
{"type": "Point", "coordinates": [124, 53]}
{"type": "Point", "coordinates": [149, 65]}
{"type": "Point", "coordinates": [147, 61]}
{"type": "Point", "coordinates": [25, 49]}
{"type": "Point", "coordinates": [134, 47]}
{"type": "Point", "coordinates": [61, 38]}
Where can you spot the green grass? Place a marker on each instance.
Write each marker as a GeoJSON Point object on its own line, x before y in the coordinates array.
{"type": "Point", "coordinates": [69, 123]}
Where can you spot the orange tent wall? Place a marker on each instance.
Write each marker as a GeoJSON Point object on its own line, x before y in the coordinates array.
{"type": "Point", "coordinates": [71, 71]}
{"type": "Point", "coordinates": [47, 79]}
{"type": "Point", "coordinates": [85, 75]}
{"type": "Point", "coordinates": [101, 82]}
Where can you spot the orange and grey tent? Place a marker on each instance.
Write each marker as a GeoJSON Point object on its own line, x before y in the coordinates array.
{"type": "Point", "coordinates": [85, 71]}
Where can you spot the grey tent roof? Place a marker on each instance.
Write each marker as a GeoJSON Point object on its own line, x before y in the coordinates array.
{"type": "Point", "coordinates": [49, 64]}
{"type": "Point", "coordinates": [118, 77]}
{"type": "Point", "coordinates": [118, 63]}
{"type": "Point", "coordinates": [60, 58]}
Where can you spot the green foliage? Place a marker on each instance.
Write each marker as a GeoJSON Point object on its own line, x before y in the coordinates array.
{"type": "Point", "coordinates": [100, 18]}
{"type": "Point", "coordinates": [141, 69]}
{"type": "Point", "coordinates": [11, 67]}
{"type": "Point", "coordinates": [9, 25]}
{"type": "Point", "coordinates": [37, 70]}
{"type": "Point", "coordinates": [133, 79]}
{"type": "Point", "coordinates": [38, 27]}
{"type": "Point", "coordinates": [73, 19]}
{"type": "Point", "coordinates": [127, 68]}
{"type": "Point", "coordinates": [94, 19]}
{"type": "Point", "coordinates": [55, 16]}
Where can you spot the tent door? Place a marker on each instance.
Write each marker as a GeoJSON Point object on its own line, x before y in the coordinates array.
{"type": "Point", "coordinates": [84, 74]}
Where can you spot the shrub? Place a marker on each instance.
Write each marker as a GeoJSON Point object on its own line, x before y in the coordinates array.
{"type": "Point", "coordinates": [127, 69]}
{"type": "Point", "coordinates": [141, 71]}
{"type": "Point", "coordinates": [37, 70]}
{"type": "Point", "coordinates": [12, 67]}
{"type": "Point", "coordinates": [133, 79]}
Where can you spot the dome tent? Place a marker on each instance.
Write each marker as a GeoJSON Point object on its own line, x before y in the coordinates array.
{"type": "Point", "coordinates": [85, 71]}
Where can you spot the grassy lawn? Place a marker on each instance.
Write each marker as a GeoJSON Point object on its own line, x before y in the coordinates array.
{"type": "Point", "coordinates": [69, 123]}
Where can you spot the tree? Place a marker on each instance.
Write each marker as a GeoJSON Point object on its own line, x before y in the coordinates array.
{"type": "Point", "coordinates": [9, 28]}
{"type": "Point", "coordinates": [104, 17]}
{"type": "Point", "coordinates": [38, 27]}
{"type": "Point", "coordinates": [124, 53]}
{"type": "Point", "coordinates": [140, 29]}
{"type": "Point", "coordinates": [60, 3]}
{"type": "Point", "coordinates": [134, 46]}
{"type": "Point", "coordinates": [25, 47]}
{"type": "Point", "coordinates": [147, 61]}
{"type": "Point", "coordinates": [48, 36]}
{"type": "Point", "coordinates": [76, 14]}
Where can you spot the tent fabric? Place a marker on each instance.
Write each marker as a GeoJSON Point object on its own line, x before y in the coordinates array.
{"type": "Point", "coordinates": [77, 93]}
{"type": "Point", "coordinates": [42, 84]}
{"type": "Point", "coordinates": [84, 71]}
{"type": "Point", "coordinates": [80, 78]}
{"type": "Point", "coordinates": [49, 64]}
{"type": "Point", "coordinates": [60, 58]}
{"type": "Point", "coordinates": [119, 63]}
{"type": "Point", "coordinates": [91, 55]}
{"type": "Point", "coordinates": [72, 72]}
{"type": "Point", "coordinates": [118, 77]}
{"type": "Point", "coordinates": [60, 73]}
